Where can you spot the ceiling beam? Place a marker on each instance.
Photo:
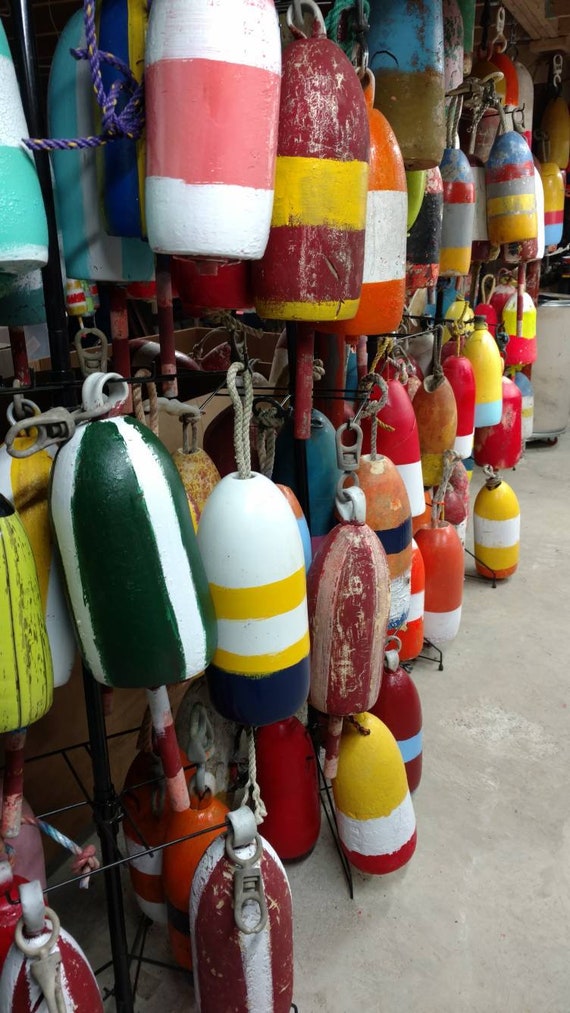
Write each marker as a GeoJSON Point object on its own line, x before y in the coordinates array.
{"type": "Point", "coordinates": [531, 17]}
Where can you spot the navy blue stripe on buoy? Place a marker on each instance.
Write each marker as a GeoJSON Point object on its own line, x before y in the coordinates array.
{"type": "Point", "coordinates": [259, 701]}
{"type": "Point", "coordinates": [396, 539]}
{"type": "Point", "coordinates": [179, 920]}
{"type": "Point", "coordinates": [410, 748]}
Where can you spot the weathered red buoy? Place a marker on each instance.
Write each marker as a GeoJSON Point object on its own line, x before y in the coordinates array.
{"type": "Point", "coordinates": [222, 286]}
{"type": "Point", "coordinates": [459, 371]}
{"type": "Point", "coordinates": [10, 913]}
{"type": "Point", "coordinates": [399, 707]}
{"type": "Point", "coordinates": [500, 446]}
{"type": "Point", "coordinates": [289, 785]}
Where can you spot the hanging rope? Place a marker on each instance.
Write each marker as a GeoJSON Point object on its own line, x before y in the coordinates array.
{"type": "Point", "coordinates": [450, 459]}
{"type": "Point", "coordinates": [242, 416]}
{"type": "Point", "coordinates": [346, 26]}
{"type": "Point", "coordinates": [138, 407]}
{"type": "Point", "coordinates": [269, 421]}
{"type": "Point", "coordinates": [252, 788]}
{"type": "Point", "coordinates": [85, 859]}
{"type": "Point", "coordinates": [128, 122]}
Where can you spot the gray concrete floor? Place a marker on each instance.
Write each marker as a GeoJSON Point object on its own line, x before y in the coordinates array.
{"type": "Point", "coordinates": [479, 920]}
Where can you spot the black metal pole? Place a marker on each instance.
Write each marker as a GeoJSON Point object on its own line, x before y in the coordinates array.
{"type": "Point", "coordinates": [106, 810]}
{"type": "Point", "coordinates": [56, 317]}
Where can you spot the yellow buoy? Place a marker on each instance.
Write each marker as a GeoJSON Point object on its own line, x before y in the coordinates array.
{"type": "Point", "coordinates": [496, 528]}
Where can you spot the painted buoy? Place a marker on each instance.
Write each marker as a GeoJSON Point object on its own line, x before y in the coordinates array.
{"type": "Point", "coordinates": [554, 186]}
{"type": "Point", "coordinates": [526, 99]}
{"type": "Point", "coordinates": [289, 784]}
{"type": "Point", "coordinates": [10, 914]}
{"type": "Point", "coordinates": [452, 44]}
{"type": "Point", "coordinates": [205, 818]}
{"type": "Point", "coordinates": [459, 372]}
{"type": "Point", "coordinates": [519, 319]}
{"type": "Point", "coordinates": [301, 523]}
{"type": "Point", "coordinates": [23, 223]}
{"type": "Point", "coordinates": [313, 266]}
{"type": "Point", "coordinates": [496, 529]}
{"type": "Point", "coordinates": [222, 286]}
{"type": "Point", "coordinates": [22, 303]}
{"type": "Point", "coordinates": [467, 8]}
{"type": "Point", "coordinates": [399, 707]}
{"type": "Point", "coordinates": [213, 198]}
{"type": "Point", "coordinates": [242, 950]}
{"type": "Point", "coordinates": [81, 297]}
{"type": "Point", "coordinates": [500, 446]}
{"type": "Point", "coordinates": [411, 634]}
{"type": "Point", "coordinates": [442, 553]}
{"type": "Point", "coordinates": [436, 414]}
{"type": "Point", "coordinates": [39, 929]}
{"type": "Point", "coordinates": [416, 184]}
{"type": "Point", "coordinates": [197, 470]}
{"type": "Point", "coordinates": [540, 212]}
{"type": "Point", "coordinates": [153, 604]}
{"type": "Point", "coordinates": [400, 442]}
{"type": "Point", "coordinates": [410, 85]}
{"type": "Point", "coordinates": [483, 353]}
{"type": "Point", "coordinates": [505, 65]}
{"type": "Point", "coordinates": [26, 673]}
{"type": "Point", "coordinates": [511, 195]}
{"type": "Point", "coordinates": [480, 245]}
{"type": "Point", "coordinates": [424, 240]}
{"type": "Point", "coordinates": [458, 214]}
{"type": "Point", "coordinates": [384, 280]}
{"type": "Point", "coordinates": [525, 386]}
{"type": "Point", "coordinates": [88, 250]}
{"type": "Point", "coordinates": [374, 810]}
{"type": "Point", "coordinates": [24, 482]}
{"type": "Point", "coordinates": [254, 561]}
{"type": "Point", "coordinates": [555, 123]}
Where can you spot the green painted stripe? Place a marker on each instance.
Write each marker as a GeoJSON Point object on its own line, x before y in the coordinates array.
{"type": "Point", "coordinates": [120, 566]}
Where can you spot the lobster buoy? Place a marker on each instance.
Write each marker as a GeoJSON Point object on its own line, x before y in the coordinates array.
{"type": "Point", "coordinates": [540, 212]}
{"type": "Point", "coordinates": [399, 707]}
{"type": "Point", "coordinates": [505, 65]}
{"type": "Point", "coordinates": [400, 441]}
{"type": "Point", "coordinates": [254, 561]}
{"type": "Point", "coordinates": [196, 469]}
{"type": "Point", "coordinates": [206, 819]}
{"type": "Point", "coordinates": [411, 634]}
{"type": "Point", "coordinates": [204, 286]}
{"type": "Point", "coordinates": [410, 84]}
{"type": "Point", "coordinates": [384, 280]}
{"type": "Point", "coordinates": [511, 194]}
{"type": "Point", "coordinates": [322, 469]}
{"type": "Point", "coordinates": [496, 529]}
{"type": "Point", "coordinates": [348, 590]}
{"type": "Point", "coordinates": [527, 410]}
{"type": "Point", "coordinates": [424, 240]}
{"type": "Point", "coordinates": [88, 250]}
{"type": "Point", "coordinates": [22, 304]}
{"type": "Point", "coordinates": [23, 223]}
{"type": "Point", "coordinates": [313, 266]}
{"type": "Point", "coordinates": [26, 672]}
{"type": "Point", "coordinates": [500, 446]}
{"type": "Point", "coordinates": [153, 604]}
{"type": "Point", "coordinates": [456, 500]}
{"type": "Point", "coordinates": [213, 198]}
{"type": "Point", "coordinates": [38, 933]}
{"type": "Point", "coordinates": [483, 353]}
{"type": "Point", "coordinates": [416, 184]}
{"type": "Point", "coordinates": [555, 123]}
{"type": "Point", "coordinates": [526, 99]}
{"type": "Point", "coordinates": [459, 372]}
{"type": "Point", "coordinates": [452, 44]}
{"type": "Point", "coordinates": [519, 320]}
{"type": "Point", "coordinates": [443, 558]}
{"type": "Point", "coordinates": [301, 523]}
{"type": "Point", "coordinates": [480, 245]}
{"type": "Point", "coordinates": [81, 297]}
{"type": "Point", "coordinates": [24, 482]}
{"type": "Point", "coordinates": [289, 785]}
{"type": "Point", "coordinates": [242, 944]}
{"type": "Point", "coordinates": [10, 912]}
{"type": "Point", "coordinates": [458, 214]}
{"type": "Point", "coordinates": [436, 414]}
{"type": "Point", "coordinates": [374, 809]}
{"type": "Point", "coordinates": [553, 183]}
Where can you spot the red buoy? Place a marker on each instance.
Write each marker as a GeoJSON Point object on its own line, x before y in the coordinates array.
{"type": "Point", "coordinates": [411, 634]}
{"type": "Point", "coordinates": [289, 785]}
{"type": "Point", "coordinates": [459, 372]}
{"type": "Point", "coordinates": [399, 707]}
{"type": "Point", "coordinates": [442, 553]}
{"type": "Point", "coordinates": [500, 446]}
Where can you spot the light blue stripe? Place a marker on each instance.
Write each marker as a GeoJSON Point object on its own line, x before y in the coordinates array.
{"type": "Point", "coordinates": [488, 414]}
{"type": "Point", "coordinates": [410, 748]}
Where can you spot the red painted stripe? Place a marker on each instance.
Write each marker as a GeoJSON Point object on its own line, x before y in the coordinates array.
{"type": "Point", "coordinates": [459, 193]}
{"type": "Point", "coordinates": [554, 217]}
{"type": "Point", "coordinates": [211, 122]}
{"type": "Point", "coordinates": [310, 263]}
{"type": "Point", "coordinates": [381, 864]}
{"type": "Point", "coordinates": [509, 171]}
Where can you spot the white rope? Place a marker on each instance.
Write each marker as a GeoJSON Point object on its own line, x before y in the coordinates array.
{"type": "Point", "coordinates": [242, 416]}
{"type": "Point", "coordinates": [252, 787]}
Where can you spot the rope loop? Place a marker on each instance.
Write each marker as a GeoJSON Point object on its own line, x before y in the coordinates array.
{"type": "Point", "coordinates": [242, 416]}
{"type": "Point", "coordinates": [252, 789]}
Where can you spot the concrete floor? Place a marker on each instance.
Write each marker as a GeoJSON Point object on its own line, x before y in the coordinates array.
{"type": "Point", "coordinates": [479, 920]}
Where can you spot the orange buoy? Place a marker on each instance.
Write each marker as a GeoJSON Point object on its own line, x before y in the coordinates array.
{"type": "Point", "coordinates": [442, 554]}
{"type": "Point", "coordinates": [436, 414]}
{"type": "Point", "coordinates": [411, 634]}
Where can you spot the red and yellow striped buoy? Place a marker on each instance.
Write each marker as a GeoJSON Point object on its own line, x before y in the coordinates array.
{"type": "Point", "coordinates": [519, 320]}
{"type": "Point", "coordinates": [313, 266]}
{"type": "Point", "coordinates": [496, 529]}
{"type": "Point", "coordinates": [511, 195]}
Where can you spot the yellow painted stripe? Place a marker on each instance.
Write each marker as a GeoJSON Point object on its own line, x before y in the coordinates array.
{"type": "Point", "coordinates": [137, 20]}
{"type": "Point", "coordinates": [527, 413]}
{"type": "Point", "coordinates": [455, 258]}
{"type": "Point", "coordinates": [262, 664]}
{"type": "Point", "coordinates": [320, 191]}
{"type": "Point", "coordinates": [528, 324]}
{"type": "Point", "coordinates": [307, 311]}
{"type": "Point", "coordinates": [518, 203]}
{"type": "Point", "coordinates": [29, 478]}
{"type": "Point", "coordinates": [498, 559]}
{"type": "Point", "coordinates": [263, 602]}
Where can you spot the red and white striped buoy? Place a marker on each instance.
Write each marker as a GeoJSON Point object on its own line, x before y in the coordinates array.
{"type": "Point", "coordinates": [411, 634]}
{"type": "Point", "coordinates": [211, 158]}
{"type": "Point", "coordinates": [10, 908]}
{"type": "Point", "coordinates": [400, 440]}
{"type": "Point", "coordinates": [442, 553]}
{"type": "Point", "coordinates": [459, 371]}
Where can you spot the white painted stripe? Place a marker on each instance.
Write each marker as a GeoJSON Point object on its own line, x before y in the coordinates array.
{"type": "Point", "coordinates": [248, 534]}
{"type": "Point", "coordinates": [461, 529]}
{"type": "Point", "coordinates": [413, 480]}
{"type": "Point", "coordinates": [152, 909]}
{"type": "Point", "coordinates": [380, 836]}
{"type": "Point", "coordinates": [150, 865]}
{"type": "Point", "coordinates": [207, 220]}
{"type": "Point", "coordinates": [399, 599]}
{"type": "Point", "coordinates": [36, 1000]}
{"type": "Point", "coordinates": [256, 962]}
{"type": "Point", "coordinates": [263, 636]}
{"type": "Point", "coordinates": [13, 124]}
{"type": "Point", "coordinates": [497, 534]}
{"type": "Point", "coordinates": [439, 627]}
{"type": "Point", "coordinates": [23, 258]}
{"type": "Point", "coordinates": [385, 237]}
{"type": "Point", "coordinates": [480, 234]}
{"type": "Point", "coordinates": [246, 33]}
{"type": "Point", "coordinates": [464, 445]}
{"type": "Point", "coordinates": [176, 570]}
{"type": "Point", "coordinates": [416, 606]}
{"type": "Point", "coordinates": [58, 624]}
{"type": "Point", "coordinates": [541, 232]}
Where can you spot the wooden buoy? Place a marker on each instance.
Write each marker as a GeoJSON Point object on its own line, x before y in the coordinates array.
{"type": "Point", "coordinates": [456, 500]}
{"type": "Point", "coordinates": [519, 320]}
{"type": "Point", "coordinates": [410, 84]}
{"type": "Point", "coordinates": [411, 634]}
{"type": "Point", "coordinates": [505, 65]}
{"type": "Point", "coordinates": [442, 554]}
{"type": "Point", "coordinates": [399, 707]}
{"type": "Point", "coordinates": [482, 351]}
{"type": "Point", "coordinates": [88, 249]}
{"type": "Point", "coordinates": [496, 529]}
{"type": "Point", "coordinates": [145, 802]}
{"type": "Point", "coordinates": [554, 187]}
{"type": "Point", "coordinates": [436, 414]}
{"type": "Point", "coordinates": [242, 944]}
{"type": "Point", "coordinates": [209, 285]}
{"type": "Point", "coordinates": [384, 279]}
{"type": "Point", "coordinates": [500, 446]}
{"type": "Point", "coordinates": [398, 438]}
{"type": "Point", "coordinates": [212, 198]}
{"type": "Point", "coordinates": [458, 214]}
{"type": "Point", "coordinates": [526, 99]}
{"type": "Point", "coordinates": [301, 523]}
{"type": "Point", "coordinates": [374, 810]}
{"type": "Point", "coordinates": [555, 123]}
{"type": "Point", "coordinates": [459, 372]}
{"type": "Point", "coordinates": [196, 469]}
{"type": "Point", "coordinates": [289, 785]}
{"type": "Point", "coordinates": [424, 240]}
{"type": "Point", "coordinates": [23, 223]}
{"type": "Point", "coordinates": [511, 195]}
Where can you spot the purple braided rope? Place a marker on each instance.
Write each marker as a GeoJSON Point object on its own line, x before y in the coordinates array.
{"type": "Point", "coordinates": [128, 123]}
